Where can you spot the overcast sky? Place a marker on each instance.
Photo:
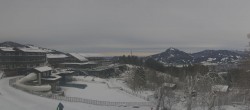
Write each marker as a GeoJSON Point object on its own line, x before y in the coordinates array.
{"type": "Point", "coordinates": [114, 25]}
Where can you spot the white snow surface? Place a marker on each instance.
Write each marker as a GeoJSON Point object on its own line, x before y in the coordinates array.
{"type": "Point", "coordinates": [13, 99]}
{"type": "Point", "coordinates": [205, 63]}
{"type": "Point", "coordinates": [43, 68]}
{"type": "Point", "coordinates": [32, 50]}
{"type": "Point", "coordinates": [56, 56]}
{"type": "Point", "coordinates": [113, 83]}
{"type": "Point", "coordinates": [220, 88]}
{"type": "Point", "coordinates": [79, 56]}
{"type": "Point", "coordinates": [211, 59]}
{"type": "Point", "coordinates": [85, 63]}
{"type": "Point", "coordinates": [44, 49]}
{"type": "Point", "coordinates": [90, 79]}
{"type": "Point", "coordinates": [7, 49]}
{"type": "Point", "coordinates": [100, 91]}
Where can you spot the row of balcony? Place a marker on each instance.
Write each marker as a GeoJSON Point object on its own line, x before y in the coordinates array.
{"type": "Point", "coordinates": [22, 61]}
{"type": "Point", "coordinates": [21, 55]}
{"type": "Point", "coordinates": [15, 66]}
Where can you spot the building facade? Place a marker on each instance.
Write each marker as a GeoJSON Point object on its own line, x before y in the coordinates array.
{"type": "Point", "coordinates": [17, 60]}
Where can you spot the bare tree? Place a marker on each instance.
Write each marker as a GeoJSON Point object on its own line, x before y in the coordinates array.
{"type": "Point", "coordinates": [191, 84]}
{"type": "Point", "coordinates": [160, 96]}
{"type": "Point", "coordinates": [169, 99]}
{"type": "Point", "coordinates": [136, 79]}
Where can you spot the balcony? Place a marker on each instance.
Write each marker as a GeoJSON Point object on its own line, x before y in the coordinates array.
{"type": "Point", "coordinates": [35, 61]}
{"type": "Point", "coordinates": [22, 55]}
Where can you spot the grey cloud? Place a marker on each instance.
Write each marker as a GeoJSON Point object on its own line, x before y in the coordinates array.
{"type": "Point", "coordinates": [85, 25]}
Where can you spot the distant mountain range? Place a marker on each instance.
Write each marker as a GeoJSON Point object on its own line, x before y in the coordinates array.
{"type": "Point", "coordinates": [173, 56]}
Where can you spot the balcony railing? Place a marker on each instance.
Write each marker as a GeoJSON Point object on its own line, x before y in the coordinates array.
{"type": "Point", "coordinates": [22, 61]}
{"type": "Point", "coordinates": [20, 55]}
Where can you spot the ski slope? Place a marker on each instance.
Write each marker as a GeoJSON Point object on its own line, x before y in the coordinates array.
{"type": "Point", "coordinates": [13, 99]}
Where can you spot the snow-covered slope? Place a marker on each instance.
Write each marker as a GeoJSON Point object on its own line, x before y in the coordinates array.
{"type": "Point", "coordinates": [173, 56]}
{"type": "Point", "coordinates": [100, 91]}
{"type": "Point", "coordinates": [13, 99]}
{"type": "Point", "coordinates": [217, 56]}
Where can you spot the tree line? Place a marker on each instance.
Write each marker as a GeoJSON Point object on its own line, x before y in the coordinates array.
{"type": "Point", "coordinates": [180, 72]}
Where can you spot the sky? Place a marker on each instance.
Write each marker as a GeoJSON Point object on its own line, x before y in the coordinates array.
{"type": "Point", "coordinates": [113, 26]}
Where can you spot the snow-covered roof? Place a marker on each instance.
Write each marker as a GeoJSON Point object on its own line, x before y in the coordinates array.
{"type": "Point", "coordinates": [86, 63]}
{"type": "Point", "coordinates": [170, 85]}
{"type": "Point", "coordinates": [222, 73]}
{"type": "Point", "coordinates": [31, 50]}
{"type": "Point", "coordinates": [43, 69]}
{"type": "Point", "coordinates": [220, 88]}
{"type": "Point", "coordinates": [205, 63]}
{"type": "Point", "coordinates": [79, 56]}
{"type": "Point", "coordinates": [7, 49]}
{"type": "Point", "coordinates": [24, 49]}
{"type": "Point", "coordinates": [44, 49]}
{"type": "Point", "coordinates": [56, 56]}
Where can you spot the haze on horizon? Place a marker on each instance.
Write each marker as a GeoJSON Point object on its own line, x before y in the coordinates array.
{"type": "Point", "coordinates": [110, 26]}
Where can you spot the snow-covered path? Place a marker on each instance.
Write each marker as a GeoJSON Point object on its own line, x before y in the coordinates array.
{"type": "Point", "coordinates": [13, 99]}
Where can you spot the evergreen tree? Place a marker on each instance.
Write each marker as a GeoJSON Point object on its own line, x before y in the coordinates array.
{"type": "Point", "coordinates": [151, 63]}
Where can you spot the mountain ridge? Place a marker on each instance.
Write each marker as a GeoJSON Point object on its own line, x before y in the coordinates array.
{"type": "Point", "coordinates": [173, 56]}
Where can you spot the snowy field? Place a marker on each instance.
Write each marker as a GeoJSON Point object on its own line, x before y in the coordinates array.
{"type": "Point", "coordinates": [114, 82]}
{"type": "Point", "coordinates": [100, 91]}
{"type": "Point", "coordinates": [13, 99]}
{"type": "Point", "coordinates": [90, 79]}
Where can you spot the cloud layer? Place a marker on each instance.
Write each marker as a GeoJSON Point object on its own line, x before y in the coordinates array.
{"type": "Point", "coordinates": [106, 25]}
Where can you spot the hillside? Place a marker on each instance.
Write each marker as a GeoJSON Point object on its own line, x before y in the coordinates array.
{"type": "Point", "coordinates": [174, 56]}
{"type": "Point", "coordinates": [217, 56]}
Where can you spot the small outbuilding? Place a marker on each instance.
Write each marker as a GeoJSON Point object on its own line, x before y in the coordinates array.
{"type": "Point", "coordinates": [169, 86]}
{"type": "Point", "coordinates": [45, 76]}
{"type": "Point", "coordinates": [220, 88]}
{"type": "Point", "coordinates": [42, 72]}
